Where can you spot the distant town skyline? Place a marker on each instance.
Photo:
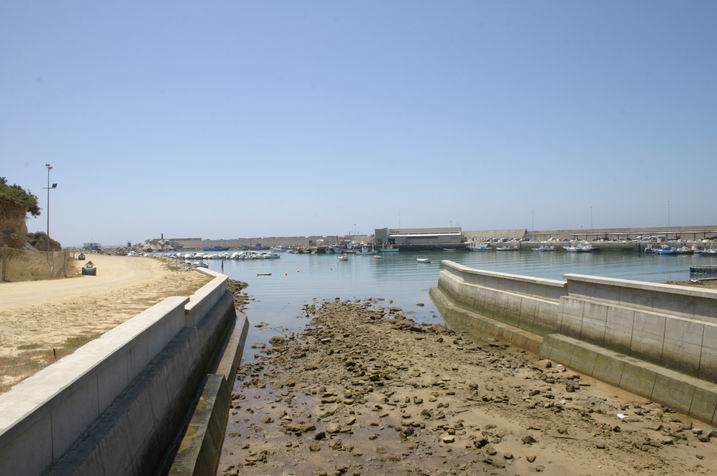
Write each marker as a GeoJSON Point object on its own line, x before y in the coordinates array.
{"type": "Point", "coordinates": [249, 119]}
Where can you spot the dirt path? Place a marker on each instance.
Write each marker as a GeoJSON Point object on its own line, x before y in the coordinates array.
{"type": "Point", "coordinates": [40, 321]}
{"type": "Point", "coordinates": [360, 393]}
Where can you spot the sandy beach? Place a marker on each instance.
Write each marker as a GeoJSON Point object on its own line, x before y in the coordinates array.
{"type": "Point", "coordinates": [365, 390]}
{"type": "Point", "coordinates": [41, 321]}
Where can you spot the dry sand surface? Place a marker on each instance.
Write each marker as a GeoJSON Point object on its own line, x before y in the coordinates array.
{"type": "Point", "coordinates": [40, 321]}
{"type": "Point", "coordinates": [365, 391]}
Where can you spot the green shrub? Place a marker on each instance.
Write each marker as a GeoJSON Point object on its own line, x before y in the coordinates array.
{"type": "Point", "coordinates": [18, 194]}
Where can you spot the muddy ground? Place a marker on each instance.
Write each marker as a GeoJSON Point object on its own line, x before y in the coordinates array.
{"type": "Point", "coordinates": [363, 390]}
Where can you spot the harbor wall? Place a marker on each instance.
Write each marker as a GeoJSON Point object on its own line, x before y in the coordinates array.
{"type": "Point", "coordinates": [117, 404]}
{"type": "Point", "coordinates": [656, 340]}
{"type": "Point", "coordinates": [525, 302]}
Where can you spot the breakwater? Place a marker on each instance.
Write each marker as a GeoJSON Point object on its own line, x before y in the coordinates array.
{"type": "Point", "coordinates": [118, 404]}
{"type": "Point", "coordinates": [656, 340]}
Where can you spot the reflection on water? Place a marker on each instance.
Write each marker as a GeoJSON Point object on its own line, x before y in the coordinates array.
{"type": "Point", "coordinates": [298, 279]}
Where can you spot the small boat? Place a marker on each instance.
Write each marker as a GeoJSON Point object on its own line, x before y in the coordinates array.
{"type": "Point", "coordinates": [423, 260]}
{"type": "Point", "coordinates": [479, 247]}
{"type": "Point", "coordinates": [449, 249]}
{"type": "Point", "coordinates": [544, 248]}
{"type": "Point", "coordinates": [511, 246]}
{"type": "Point", "coordinates": [684, 250]}
{"type": "Point", "coordinates": [712, 253]}
{"type": "Point", "coordinates": [263, 274]}
{"type": "Point", "coordinates": [343, 258]}
{"type": "Point", "coordinates": [665, 250]}
{"type": "Point", "coordinates": [200, 264]}
{"type": "Point", "coordinates": [377, 257]}
{"type": "Point", "coordinates": [583, 247]}
{"type": "Point", "coordinates": [390, 249]}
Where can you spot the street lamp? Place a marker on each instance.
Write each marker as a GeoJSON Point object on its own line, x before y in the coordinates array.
{"type": "Point", "coordinates": [48, 188]}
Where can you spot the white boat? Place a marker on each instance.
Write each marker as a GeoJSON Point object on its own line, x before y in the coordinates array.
{"type": "Point", "coordinates": [423, 260]}
{"type": "Point", "coordinates": [684, 250]}
{"type": "Point", "coordinates": [583, 247]}
{"type": "Point", "coordinates": [389, 249]}
{"type": "Point", "coordinates": [706, 252]}
{"type": "Point", "coordinates": [544, 248]}
{"type": "Point", "coordinates": [510, 246]}
{"type": "Point", "coordinates": [377, 257]}
{"type": "Point", "coordinates": [343, 258]}
{"type": "Point", "coordinates": [479, 247]}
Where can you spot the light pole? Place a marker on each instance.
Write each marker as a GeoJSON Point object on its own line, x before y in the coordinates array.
{"type": "Point", "coordinates": [48, 188]}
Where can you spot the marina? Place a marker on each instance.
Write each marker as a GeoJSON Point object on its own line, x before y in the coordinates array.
{"type": "Point", "coordinates": [296, 280]}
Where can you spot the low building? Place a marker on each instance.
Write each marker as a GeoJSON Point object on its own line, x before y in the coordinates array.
{"type": "Point", "coordinates": [420, 238]}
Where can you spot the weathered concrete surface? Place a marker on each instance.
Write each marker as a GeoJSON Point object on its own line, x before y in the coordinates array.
{"type": "Point", "coordinates": [43, 415]}
{"type": "Point", "coordinates": [656, 340]}
{"type": "Point", "coordinates": [117, 403]}
{"type": "Point", "coordinates": [201, 446]}
{"type": "Point", "coordinates": [463, 319]}
{"type": "Point", "coordinates": [142, 424]}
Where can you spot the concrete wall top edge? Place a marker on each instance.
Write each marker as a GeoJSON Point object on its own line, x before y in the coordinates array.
{"type": "Point", "coordinates": [45, 385]}
{"type": "Point", "coordinates": [201, 293]}
{"type": "Point", "coordinates": [644, 285]}
{"type": "Point", "coordinates": [497, 274]}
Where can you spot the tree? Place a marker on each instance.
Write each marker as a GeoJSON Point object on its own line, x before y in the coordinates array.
{"type": "Point", "coordinates": [19, 195]}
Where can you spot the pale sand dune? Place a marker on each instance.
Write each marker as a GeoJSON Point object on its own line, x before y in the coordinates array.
{"type": "Point", "coordinates": [44, 320]}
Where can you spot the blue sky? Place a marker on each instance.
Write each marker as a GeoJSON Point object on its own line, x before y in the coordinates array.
{"type": "Point", "coordinates": [256, 118]}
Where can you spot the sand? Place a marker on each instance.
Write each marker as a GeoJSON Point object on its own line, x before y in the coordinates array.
{"type": "Point", "coordinates": [41, 321]}
{"type": "Point", "coordinates": [366, 391]}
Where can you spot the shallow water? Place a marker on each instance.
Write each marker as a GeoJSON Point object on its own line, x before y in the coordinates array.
{"type": "Point", "coordinates": [299, 279]}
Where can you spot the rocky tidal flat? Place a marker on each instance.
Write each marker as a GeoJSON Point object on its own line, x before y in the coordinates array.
{"type": "Point", "coordinates": [365, 390]}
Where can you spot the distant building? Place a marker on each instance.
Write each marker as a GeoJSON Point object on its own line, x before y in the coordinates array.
{"type": "Point", "coordinates": [419, 238]}
{"type": "Point", "coordinates": [92, 246]}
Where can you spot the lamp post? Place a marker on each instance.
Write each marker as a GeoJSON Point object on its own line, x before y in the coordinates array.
{"type": "Point", "coordinates": [48, 188]}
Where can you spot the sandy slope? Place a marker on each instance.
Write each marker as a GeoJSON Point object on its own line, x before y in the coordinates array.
{"type": "Point", "coordinates": [41, 321]}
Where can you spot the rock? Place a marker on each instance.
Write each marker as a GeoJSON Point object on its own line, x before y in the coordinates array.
{"type": "Point", "coordinates": [528, 440]}
{"type": "Point", "coordinates": [333, 428]}
{"type": "Point", "coordinates": [314, 447]}
{"type": "Point", "coordinates": [530, 458]}
{"type": "Point", "coordinates": [600, 445]}
{"type": "Point", "coordinates": [446, 438]}
{"type": "Point", "coordinates": [320, 435]}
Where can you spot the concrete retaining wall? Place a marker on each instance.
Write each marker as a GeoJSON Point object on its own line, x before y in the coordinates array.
{"type": "Point", "coordinates": [116, 403]}
{"type": "Point", "coordinates": [656, 340]}
{"type": "Point", "coordinates": [529, 303]}
{"type": "Point", "coordinates": [201, 445]}
{"type": "Point", "coordinates": [673, 326]}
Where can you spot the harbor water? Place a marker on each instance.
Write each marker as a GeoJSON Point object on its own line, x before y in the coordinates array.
{"type": "Point", "coordinates": [401, 281]}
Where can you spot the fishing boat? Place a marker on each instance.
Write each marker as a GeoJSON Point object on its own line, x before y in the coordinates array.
{"type": "Point", "coordinates": [665, 250]}
{"type": "Point", "coordinates": [583, 247]}
{"type": "Point", "coordinates": [343, 258]}
{"type": "Point", "coordinates": [423, 260]}
{"type": "Point", "coordinates": [479, 247]}
{"type": "Point", "coordinates": [510, 246]}
{"type": "Point", "coordinates": [544, 248]}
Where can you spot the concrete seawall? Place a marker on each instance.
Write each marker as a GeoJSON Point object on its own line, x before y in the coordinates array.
{"type": "Point", "coordinates": [656, 340]}
{"type": "Point", "coordinates": [116, 405]}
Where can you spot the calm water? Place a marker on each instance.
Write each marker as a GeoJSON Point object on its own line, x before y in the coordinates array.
{"type": "Point", "coordinates": [299, 279]}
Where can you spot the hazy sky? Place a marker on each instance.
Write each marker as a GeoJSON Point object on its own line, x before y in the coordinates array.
{"type": "Point", "coordinates": [255, 118]}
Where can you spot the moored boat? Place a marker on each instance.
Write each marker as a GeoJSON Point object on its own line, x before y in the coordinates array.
{"type": "Point", "coordinates": [423, 260]}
